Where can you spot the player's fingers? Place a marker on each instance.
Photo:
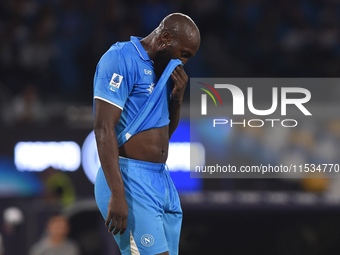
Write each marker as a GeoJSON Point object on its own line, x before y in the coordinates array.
{"type": "Point", "coordinates": [124, 226]}
{"type": "Point", "coordinates": [179, 69]}
{"type": "Point", "coordinates": [174, 78]}
{"type": "Point", "coordinates": [175, 72]}
{"type": "Point", "coordinates": [179, 79]}
{"type": "Point", "coordinates": [108, 220]}
{"type": "Point", "coordinates": [182, 73]}
{"type": "Point", "coordinates": [113, 224]}
{"type": "Point", "coordinates": [118, 227]}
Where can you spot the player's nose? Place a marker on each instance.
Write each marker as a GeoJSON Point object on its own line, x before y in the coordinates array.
{"type": "Point", "coordinates": [183, 60]}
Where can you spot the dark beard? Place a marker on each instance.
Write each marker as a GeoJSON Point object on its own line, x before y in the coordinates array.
{"type": "Point", "coordinates": [161, 60]}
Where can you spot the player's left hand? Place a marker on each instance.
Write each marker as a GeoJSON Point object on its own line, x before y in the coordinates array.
{"type": "Point", "coordinates": [180, 79]}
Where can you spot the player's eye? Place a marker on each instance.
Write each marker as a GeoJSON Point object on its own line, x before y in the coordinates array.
{"type": "Point", "coordinates": [186, 54]}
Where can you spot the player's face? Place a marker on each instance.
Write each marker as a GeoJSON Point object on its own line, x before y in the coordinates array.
{"type": "Point", "coordinates": [161, 60]}
{"type": "Point", "coordinates": [183, 50]}
{"type": "Point", "coordinates": [177, 49]}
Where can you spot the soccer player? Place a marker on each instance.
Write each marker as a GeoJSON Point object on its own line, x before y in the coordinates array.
{"type": "Point", "coordinates": [133, 189]}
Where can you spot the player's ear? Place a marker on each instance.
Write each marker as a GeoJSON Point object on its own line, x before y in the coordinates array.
{"type": "Point", "coordinates": [166, 39]}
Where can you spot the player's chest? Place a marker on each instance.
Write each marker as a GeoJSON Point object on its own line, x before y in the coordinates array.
{"type": "Point", "coordinates": [145, 83]}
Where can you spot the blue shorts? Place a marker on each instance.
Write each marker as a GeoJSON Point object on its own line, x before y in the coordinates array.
{"type": "Point", "coordinates": [155, 214]}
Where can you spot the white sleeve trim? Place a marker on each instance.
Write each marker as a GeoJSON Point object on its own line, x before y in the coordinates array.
{"type": "Point", "coordinates": [107, 101]}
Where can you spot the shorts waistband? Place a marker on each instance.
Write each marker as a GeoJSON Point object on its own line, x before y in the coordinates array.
{"type": "Point", "coordinates": [134, 163]}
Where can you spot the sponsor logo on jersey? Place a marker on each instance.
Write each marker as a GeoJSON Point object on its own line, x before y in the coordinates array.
{"type": "Point", "coordinates": [151, 87]}
{"type": "Point", "coordinates": [147, 71]}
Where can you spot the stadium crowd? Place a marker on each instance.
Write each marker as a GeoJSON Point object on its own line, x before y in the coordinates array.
{"type": "Point", "coordinates": [54, 46]}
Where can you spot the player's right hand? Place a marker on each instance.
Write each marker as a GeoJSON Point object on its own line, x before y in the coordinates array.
{"type": "Point", "coordinates": [117, 214]}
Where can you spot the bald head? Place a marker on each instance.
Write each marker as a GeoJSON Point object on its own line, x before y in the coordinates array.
{"type": "Point", "coordinates": [176, 37]}
{"type": "Point", "coordinates": [181, 27]}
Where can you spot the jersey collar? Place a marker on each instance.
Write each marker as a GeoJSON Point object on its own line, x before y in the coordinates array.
{"type": "Point", "coordinates": [136, 42]}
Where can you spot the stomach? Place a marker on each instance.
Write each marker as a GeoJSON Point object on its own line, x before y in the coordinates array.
{"type": "Point", "coordinates": [149, 145]}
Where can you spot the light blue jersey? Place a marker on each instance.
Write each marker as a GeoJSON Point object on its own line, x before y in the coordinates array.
{"type": "Point", "coordinates": [125, 78]}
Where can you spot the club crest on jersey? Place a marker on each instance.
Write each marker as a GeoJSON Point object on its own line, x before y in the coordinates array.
{"type": "Point", "coordinates": [115, 82]}
{"type": "Point", "coordinates": [147, 240]}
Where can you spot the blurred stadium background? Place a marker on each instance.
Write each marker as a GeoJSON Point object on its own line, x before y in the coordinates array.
{"type": "Point", "coordinates": [48, 53]}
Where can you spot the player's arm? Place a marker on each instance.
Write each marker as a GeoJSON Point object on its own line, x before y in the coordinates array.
{"type": "Point", "coordinates": [180, 79]}
{"type": "Point", "coordinates": [106, 119]}
{"type": "Point", "coordinates": [111, 90]}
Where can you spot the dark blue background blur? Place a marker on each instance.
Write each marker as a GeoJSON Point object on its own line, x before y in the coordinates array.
{"type": "Point", "coordinates": [49, 50]}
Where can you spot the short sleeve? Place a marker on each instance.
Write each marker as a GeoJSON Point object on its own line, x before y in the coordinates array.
{"type": "Point", "coordinates": [111, 79]}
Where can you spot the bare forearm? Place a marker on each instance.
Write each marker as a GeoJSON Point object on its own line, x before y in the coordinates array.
{"type": "Point", "coordinates": [109, 157]}
{"type": "Point", "coordinates": [174, 112]}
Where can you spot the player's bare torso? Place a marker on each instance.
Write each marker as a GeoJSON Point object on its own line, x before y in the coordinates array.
{"type": "Point", "coordinates": [149, 145]}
